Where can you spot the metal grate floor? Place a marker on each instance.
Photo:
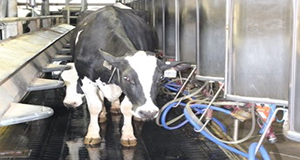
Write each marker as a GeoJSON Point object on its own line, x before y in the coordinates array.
{"type": "Point", "coordinates": [61, 137]}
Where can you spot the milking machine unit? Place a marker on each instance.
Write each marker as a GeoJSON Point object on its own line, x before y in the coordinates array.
{"type": "Point", "coordinates": [199, 100]}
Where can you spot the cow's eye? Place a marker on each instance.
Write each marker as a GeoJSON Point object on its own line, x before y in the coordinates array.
{"type": "Point", "coordinates": [129, 80]}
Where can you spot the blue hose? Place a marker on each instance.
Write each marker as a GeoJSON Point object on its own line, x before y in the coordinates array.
{"type": "Point", "coordinates": [174, 87]}
{"type": "Point", "coordinates": [165, 112]}
{"type": "Point", "coordinates": [197, 127]}
{"type": "Point", "coordinates": [203, 106]}
{"type": "Point", "coordinates": [262, 151]}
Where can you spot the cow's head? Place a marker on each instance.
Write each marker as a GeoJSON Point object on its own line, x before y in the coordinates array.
{"type": "Point", "coordinates": [140, 75]}
{"type": "Point", "coordinates": [74, 94]}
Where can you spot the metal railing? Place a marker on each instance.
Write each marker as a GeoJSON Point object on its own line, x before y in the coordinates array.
{"type": "Point", "coordinates": [14, 26]}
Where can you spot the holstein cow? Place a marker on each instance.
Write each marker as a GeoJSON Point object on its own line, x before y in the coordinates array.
{"type": "Point", "coordinates": [114, 43]}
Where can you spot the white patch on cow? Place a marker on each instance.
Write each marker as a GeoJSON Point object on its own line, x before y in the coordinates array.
{"type": "Point", "coordinates": [110, 91]}
{"type": "Point", "coordinates": [78, 34]}
{"type": "Point", "coordinates": [94, 105]}
{"type": "Point", "coordinates": [127, 129]}
{"type": "Point", "coordinates": [144, 66]}
{"type": "Point", "coordinates": [107, 65]}
{"type": "Point", "coordinates": [120, 5]}
{"type": "Point", "coordinates": [70, 77]}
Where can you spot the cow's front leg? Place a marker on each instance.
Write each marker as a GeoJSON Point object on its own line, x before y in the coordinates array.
{"type": "Point", "coordinates": [115, 107]}
{"type": "Point", "coordinates": [127, 139]}
{"type": "Point", "coordinates": [95, 106]}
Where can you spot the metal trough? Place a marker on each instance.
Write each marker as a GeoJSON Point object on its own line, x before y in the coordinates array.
{"type": "Point", "coordinates": [22, 60]}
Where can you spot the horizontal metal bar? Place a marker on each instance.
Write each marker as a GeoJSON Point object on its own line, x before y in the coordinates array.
{"type": "Point", "coordinates": [15, 19]}
{"type": "Point", "coordinates": [63, 4]}
{"type": "Point", "coordinates": [256, 100]}
{"type": "Point", "coordinates": [209, 78]}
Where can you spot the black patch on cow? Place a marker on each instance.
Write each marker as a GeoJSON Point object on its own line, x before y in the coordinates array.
{"type": "Point", "coordinates": [119, 32]}
{"type": "Point", "coordinates": [78, 87]}
{"type": "Point", "coordinates": [156, 82]}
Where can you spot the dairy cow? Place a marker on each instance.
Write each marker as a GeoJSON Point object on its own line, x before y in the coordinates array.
{"type": "Point", "coordinates": [114, 45]}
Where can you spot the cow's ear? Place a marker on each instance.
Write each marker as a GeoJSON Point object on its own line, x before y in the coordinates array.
{"type": "Point", "coordinates": [114, 61]}
{"type": "Point", "coordinates": [178, 66]}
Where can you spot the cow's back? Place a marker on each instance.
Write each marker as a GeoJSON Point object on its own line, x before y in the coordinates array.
{"type": "Point", "coordinates": [114, 30]}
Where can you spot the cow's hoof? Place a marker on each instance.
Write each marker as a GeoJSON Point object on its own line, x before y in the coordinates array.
{"type": "Point", "coordinates": [92, 141]}
{"type": "Point", "coordinates": [115, 111]}
{"type": "Point", "coordinates": [128, 142]}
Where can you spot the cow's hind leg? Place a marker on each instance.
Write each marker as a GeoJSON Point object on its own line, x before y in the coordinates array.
{"type": "Point", "coordinates": [95, 106]}
{"type": "Point", "coordinates": [127, 139]}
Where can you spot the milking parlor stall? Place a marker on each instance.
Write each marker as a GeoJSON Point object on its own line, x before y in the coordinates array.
{"type": "Point", "coordinates": [150, 79]}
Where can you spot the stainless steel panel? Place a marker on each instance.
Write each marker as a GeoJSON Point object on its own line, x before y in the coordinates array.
{"type": "Point", "coordinates": [160, 23]}
{"type": "Point", "coordinates": [188, 30]}
{"type": "Point", "coordinates": [259, 63]}
{"type": "Point", "coordinates": [212, 38]}
{"type": "Point", "coordinates": [170, 28]}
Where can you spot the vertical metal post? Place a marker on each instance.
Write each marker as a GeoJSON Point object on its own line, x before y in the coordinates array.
{"type": "Point", "coordinates": [3, 8]}
{"type": "Point", "coordinates": [12, 8]}
{"type": "Point", "coordinates": [153, 14]}
{"type": "Point", "coordinates": [198, 36]}
{"type": "Point", "coordinates": [228, 42]}
{"type": "Point", "coordinates": [291, 126]}
{"type": "Point", "coordinates": [164, 26]}
{"type": "Point", "coordinates": [45, 12]}
{"type": "Point", "coordinates": [83, 5]}
{"type": "Point", "coordinates": [177, 32]}
{"type": "Point", "coordinates": [45, 8]}
{"type": "Point", "coordinates": [32, 4]}
{"type": "Point", "coordinates": [68, 11]}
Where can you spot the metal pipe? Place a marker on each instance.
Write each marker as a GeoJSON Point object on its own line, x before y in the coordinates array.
{"type": "Point", "coordinates": [197, 37]}
{"type": "Point", "coordinates": [63, 4]}
{"type": "Point", "coordinates": [83, 5]}
{"type": "Point", "coordinates": [177, 33]}
{"type": "Point", "coordinates": [257, 100]}
{"type": "Point", "coordinates": [228, 44]}
{"type": "Point", "coordinates": [68, 11]}
{"type": "Point", "coordinates": [164, 26]}
{"type": "Point", "coordinates": [153, 14]}
{"type": "Point", "coordinates": [15, 19]}
{"type": "Point", "coordinates": [32, 3]}
{"type": "Point", "coordinates": [3, 8]}
{"type": "Point", "coordinates": [45, 8]}
{"type": "Point", "coordinates": [235, 129]}
{"type": "Point", "coordinates": [210, 103]}
{"type": "Point", "coordinates": [293, 78]}
{"type": "Point", "coordinates": [186, 81]}
{"type": "Point", "coordinates": [209, 78]}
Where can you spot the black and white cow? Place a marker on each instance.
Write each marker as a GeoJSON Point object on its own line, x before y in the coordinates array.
{"type": "Point", "coordinates": [116, 40]}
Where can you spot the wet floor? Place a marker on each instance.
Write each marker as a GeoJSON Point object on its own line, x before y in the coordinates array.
{"type": "Point", "coordinates": [61, 137]}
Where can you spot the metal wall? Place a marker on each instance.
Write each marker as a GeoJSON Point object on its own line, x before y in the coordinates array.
{"type": "Point", "coordinates": [190, 30]}
{"type": "Point", "coordinates": [211, 57]}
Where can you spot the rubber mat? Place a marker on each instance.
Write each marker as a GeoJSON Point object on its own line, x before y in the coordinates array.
{"type": "Point", "coordinates": [61, 137]}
